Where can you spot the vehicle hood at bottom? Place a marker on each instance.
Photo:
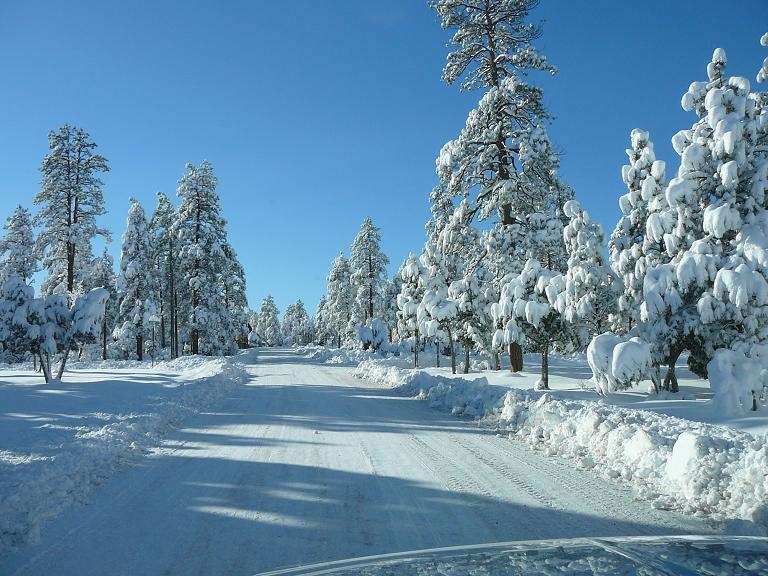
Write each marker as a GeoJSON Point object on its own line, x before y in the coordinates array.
{"type": "Point", "coordinates": [642, 556]}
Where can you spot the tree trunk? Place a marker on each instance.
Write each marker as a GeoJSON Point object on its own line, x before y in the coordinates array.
{"type": "Point", "coordinates": [545, 369]}
{"type": "Point", "coordinates": [515, 357]}
{"type": "Point", "coordinates": [453, 357]}
{"type": "Point", "coordinates": [140, 346]}
{"type": "Point", "coordinates": [437, 353]}
{"type": "Point", "coordinates": [63, 363]}
{"type": "Point", "coordinates": [104, 338]}
{"type": "Point", "coordinates": [466, 359]}
{"type": "Point", "coordinates": [45, 368]}
{"type": "Point", "coordinates": [670, 380]}
{"type": "Point", "coordinates": [162, 325]}
{"type": "Point", "coordinates": [416, 349]}
{"type": "Point", "coordinates": [496, 360]}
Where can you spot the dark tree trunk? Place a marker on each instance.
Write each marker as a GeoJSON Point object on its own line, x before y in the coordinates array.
{"type": "Point", "coordinates": [416, 350]}
{"type": "Point", "coordinates": [496, 360]}
{"type": "Point", "coordinates": [515, 357]}
{"type": "Point", "coordinates": [453, 357]}
{"type": "Point", "coordinates": [466, 359]}
{"type": "Point", "coordinates": [104, 338]}
{"type": "Point", "coordinates": [545, 369]}
{"type": "Point", "coordinates": [437, 353]}
{"type": "Point", "coordinates": [140, 346]}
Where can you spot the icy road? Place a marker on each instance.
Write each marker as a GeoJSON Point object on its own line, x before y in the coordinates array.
{"type": "Point", "coordinates": [308, 464]}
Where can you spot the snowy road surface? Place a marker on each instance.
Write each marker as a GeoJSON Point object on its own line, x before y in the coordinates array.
{"type": "Point", "coordinates": [308, 464]}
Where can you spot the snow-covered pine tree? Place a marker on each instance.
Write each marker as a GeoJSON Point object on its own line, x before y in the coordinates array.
{"type": "Point", "coordinates": [17, 247]}
{"type": "Point", "coordinates": [297, 326]}
{"type": "Point", "coordinates": [368, 265]}
{"type": "Point", "coordinates": [502, 161]}
{"type": "Point", "coordinates": [103, 276]}
{"type": "Point", "coordinates": [235, 300]}
{"type": "Point", "coordinates": [200, 233]}
{"type": "Point", "coordinates": [135, 283]}
{"type": "Point", "coordinates": [322, 335]}
{"type": "Point", "coordinates": [268, 326]}
{"type": "Point", "coordinates": [437, 312]}
{"type": "Point", "coordinates": [529, 304]}
{"type": "Point", "coordinates": [389, 314]}
{"type": "Point", "coordinates": [712, 293]}
{"type": "Point", "coordinates": [643, 177]}
{"type": "Point", "coordinates": [408, 302]}
{"type": "Point", "coordinates": [590, 293]}
{"type": "Point", "coordinates": [339, 300]}
{"type": "Point", "coordinates": [164, 247]}
{"type": "Point", "coordinates": [70, 200]}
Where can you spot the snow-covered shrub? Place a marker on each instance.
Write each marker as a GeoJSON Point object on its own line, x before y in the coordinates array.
{"type": "Point", "coordinates": [617, 363]}
{"type": "Point", "coordinates": [374, 335]}
{"type": "Point", "coordinates": [737, 381]}
{"type": "Point", "coordinates": [48, 325]}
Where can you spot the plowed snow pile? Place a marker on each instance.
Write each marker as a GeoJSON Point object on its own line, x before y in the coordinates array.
{"type": "Point", "coordinates": [59, 440]}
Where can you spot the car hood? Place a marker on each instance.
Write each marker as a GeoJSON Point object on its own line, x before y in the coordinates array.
{"type": "Point", "coordinates": [642, 556]}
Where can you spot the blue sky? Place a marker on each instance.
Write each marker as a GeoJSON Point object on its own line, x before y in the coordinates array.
{"type": "Point", "coordinates": [317, 114]}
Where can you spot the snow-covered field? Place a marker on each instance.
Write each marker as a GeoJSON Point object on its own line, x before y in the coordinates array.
{"type": "Point", "coordinates": [676, 452]}
{"type": "Point", "coordinates": [58, 441]}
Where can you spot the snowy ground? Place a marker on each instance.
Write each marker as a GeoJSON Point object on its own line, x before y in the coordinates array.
{"type": "Point", "coordinates": [307, 463]}
{"type": "Point", "coordinates": [58, 441]}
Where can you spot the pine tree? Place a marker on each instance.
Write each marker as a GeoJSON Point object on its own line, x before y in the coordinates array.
{"type": "Point", "coordinates": [712, 292]}
{"type": "Point", "coordinates": [17, 247]}
{"type": "Point", "coordinates": [268, 325]}
{"type": "Point", "coordinates": [340, 299]}
{"type": "Point", "coordinates": [199, 229]}
{"type": "Point", "coordinates": [135, 283]}
{"type": "Point", "coordinates": [408, 302]}
{"type": "Point", "coordinates": [70, 200]}
{"type": "Point", "coordinates": [297, 326]}
{"type": "Point", "coordinates": [437, 312]}
{"type": "Point", "coordinates": [322, 330]}
{"type": "Point", "coordinates": [233, 289]}
{"type": "Point", "coordinates": [502, 161]}
{"type": "Point", "coordinates": [164, 251]}
{"type": "Point", "coordinates": [103, 276]}
{"type": "Point", "coordinates": [589, 289]}
{"type": "Point", "coordinates": [368, 265]}
{"type": "Point", "coordinates": [644, 176]}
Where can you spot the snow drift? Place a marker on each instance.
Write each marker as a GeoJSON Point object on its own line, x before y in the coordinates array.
{"type": "Point", "coordinates": [43, 486]}
{"type": "Point", "coordinates": [697, 468]}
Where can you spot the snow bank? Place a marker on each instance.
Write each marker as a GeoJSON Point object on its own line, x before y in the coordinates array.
{"type": "Point", "coordinates": [326, 355]}
{"type": "Point", "coordinates": [697, 468]}
{"type": "Point", "coordinates": [36, 488]}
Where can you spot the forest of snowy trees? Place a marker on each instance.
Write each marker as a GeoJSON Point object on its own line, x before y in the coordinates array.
{"type": "Point", "coordinates": [179, 287]}
{"type": "Point", "coordinates": [513, 263]}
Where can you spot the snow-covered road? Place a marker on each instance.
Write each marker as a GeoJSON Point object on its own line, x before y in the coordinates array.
{"type": "Point", "coordinates": [308, 464]}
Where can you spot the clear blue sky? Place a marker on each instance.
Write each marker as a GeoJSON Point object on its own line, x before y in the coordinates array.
{"type": "Point", "coordinates": [316, 114]}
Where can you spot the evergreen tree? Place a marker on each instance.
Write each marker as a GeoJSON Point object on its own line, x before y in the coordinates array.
{"type": "Point", "coordinates": [408, 302]}
{"type": "Point", "coordinates": [268, 325]}
{"type": "Point", "coordinates": [368, 265]}
{"type": "Point", "coordinates": [134, 283]}
{"type": "Point", "coordinates": [70, 200]}
{"type": "Point", "coordinates": [644, 177]}
{"type": "Point", "coordinates": [339, 300]}
{"type": "Point", "coordinates": [17, 247]}
{"type": "Point", "coordinates": [502, 162]}
{"type": "Point", "coordinates": [164, 251]}
{"type": "Point", "coordinates": [297, 326]}
{"type": "Point", "coordinates": [103, 276]}
{"type": "Point", "coordinates": [199, 230]}
{"type": "Point", "coordinates": [711, 291]}
{"type": "Point", "coordinates": [233, 289]}
{"type": "Point", "coordinates": [589, 290]}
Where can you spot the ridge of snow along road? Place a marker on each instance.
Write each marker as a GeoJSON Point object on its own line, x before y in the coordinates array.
{"type": "Point", "coordinates": [35, 487]}
{"type": "Point", "coordinates": [697, 468]}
